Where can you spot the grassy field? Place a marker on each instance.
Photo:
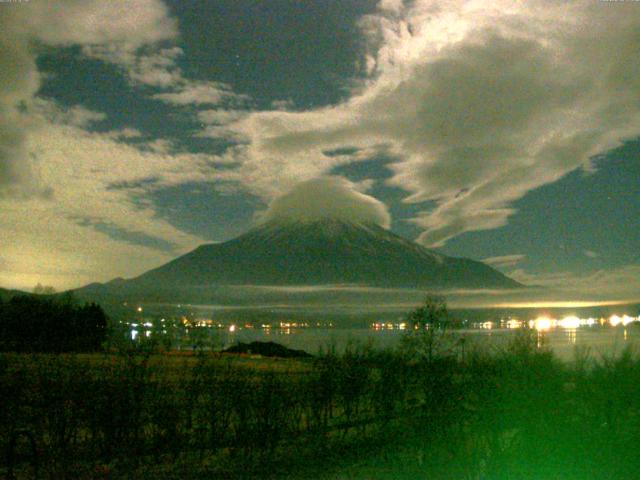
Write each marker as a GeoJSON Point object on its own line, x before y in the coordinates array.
{"type": "Point", "coordinates": [415, 412]}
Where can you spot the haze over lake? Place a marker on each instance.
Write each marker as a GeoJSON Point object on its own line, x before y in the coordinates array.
{"type": "Point", "coordinates": [601, 330]}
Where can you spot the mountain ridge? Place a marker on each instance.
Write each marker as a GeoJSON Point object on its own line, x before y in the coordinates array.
{"type": "Point", "coordinates": [316, 252]}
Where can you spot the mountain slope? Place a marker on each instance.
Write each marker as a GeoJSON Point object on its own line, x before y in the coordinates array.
{"type": "Point", "coordinates": [322, 252]}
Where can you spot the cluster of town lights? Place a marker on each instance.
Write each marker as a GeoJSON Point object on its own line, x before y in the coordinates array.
{"type": "Point", "coordinates": [389, 326]}
{"type": "Point", "coordinates": [541, 324]}
{"type": "Point", "coordinates": [141, 329]}
{"type": "Point", "coordinates": [573, 322]}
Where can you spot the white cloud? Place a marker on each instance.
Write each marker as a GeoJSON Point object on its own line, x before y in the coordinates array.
{"type": "Point", "coordinates": [18, 82]}
{"type": "Point", "coordinates": [98, 178]}
{"type": "Point", "coordinates": [54, 250]}
{"type": "Point", "coordinates": [159, 68]}
{"type": "Point", "coordinates": [282, 149]}
{"type": "Point", "coordinates": [156, 69]}
{"type": "Point", "coordinates": [125, 133]}
{"type": "Point", "coordinates": [53, 247]}
{"type": "Point", "coordinates": [504, 260]}
{"type": "Point", "coordinates": [84, 22]}
{"type": "Point", "coordinates": [282, 105]}
{"type": "Point", "coordinates": [393, 6]}
{"type": "Point", "coordinates": [220, 116]}
{"type": "Point", "coordinates": [76, 116]}
{"type": "Point", "coordinates": [481, 103]}
{"type": "Point", "coordinates": [54, 172]}
{"type": "Point", "coordinates": [619, 284]}
{"type": "Point", "coordinates": [123, 32]}
{"type": "Point", "coordinates": [333, 197]}
{"type": "Point", "coordinates": [160, 145]}
{"type": "Point", "coordinates": [198, 93]}
{"type": "Point", "coordinates": [80, 22]}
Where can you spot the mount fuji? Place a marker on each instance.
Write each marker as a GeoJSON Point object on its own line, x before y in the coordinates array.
{"type": "Point", "coordinates": [321, 252]}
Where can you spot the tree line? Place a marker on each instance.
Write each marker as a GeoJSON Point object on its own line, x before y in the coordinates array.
{"type": "Point", "coordinates": [32, 323]}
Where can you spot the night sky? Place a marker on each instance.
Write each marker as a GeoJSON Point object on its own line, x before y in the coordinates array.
{"type": "Point", "coordinates": [509, 132]}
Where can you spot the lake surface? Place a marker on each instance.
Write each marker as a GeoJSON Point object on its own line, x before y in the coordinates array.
{"type": "Point", "coordinates": [598, 341]}
{"type": "Point", "coordinates": [600, 330]}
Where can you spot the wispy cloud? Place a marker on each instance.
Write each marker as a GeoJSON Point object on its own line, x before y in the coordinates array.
{"type": "Point", "coordinates": [619, 284]}
{"type": "Point", "coordinates": [481, 103]}
{"type": "Point", "coordinates": [74, 22]}
{"type": "Point", "coordinates": [123, 235]}
{"type": "Point", "coordinates": [504, 261]}
{"type": "Point", "coordinates": [100, 177]}
{"type": "Point", "coordinates": [159, 68]}
{"type": "Point", "coordinates": [55, 170]}
{"type": "Point", "coordinates": [477, 104]}
{"type": "Point", "coordinates": [220, 116]}
{"type": "Point", "coordinates": [200, 93]}
{"type": "Point", "coordinates": [155, 69]}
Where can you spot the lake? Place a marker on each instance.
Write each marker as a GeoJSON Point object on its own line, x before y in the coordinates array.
{"type": "Point", "coordinates": [598, 341]}
{"type": "Point", "coordinates": [602, 330]}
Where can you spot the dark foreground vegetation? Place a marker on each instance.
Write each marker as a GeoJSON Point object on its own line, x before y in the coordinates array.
{"type": "Point", "coordinates": [421, 411]}
{"type": "Point", "coordinates": [45, 323]}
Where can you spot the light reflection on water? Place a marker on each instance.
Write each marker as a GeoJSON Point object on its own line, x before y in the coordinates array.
{"type": "Point", "coordinates": [563, 342]}
{"type": "Point", "coordinates": [601, 331]}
